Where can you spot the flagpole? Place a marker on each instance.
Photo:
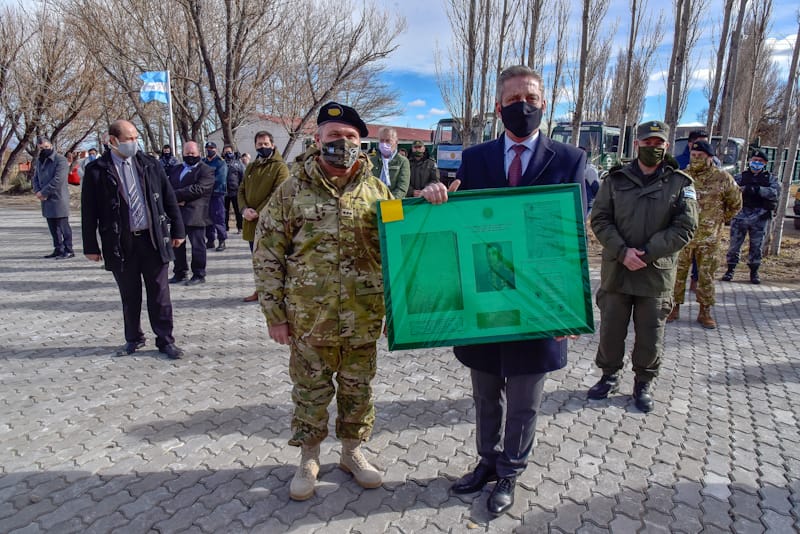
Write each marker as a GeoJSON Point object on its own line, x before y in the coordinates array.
{"type": "Point", "coordinates": [171, 125]}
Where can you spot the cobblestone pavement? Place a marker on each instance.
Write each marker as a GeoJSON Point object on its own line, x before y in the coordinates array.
{"type": "Point", "coordinates": [92, 443]}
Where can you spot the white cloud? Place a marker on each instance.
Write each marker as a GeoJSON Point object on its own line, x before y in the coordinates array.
{"type": "Point", "coordinates": [418, 103]}
{"type": "Point", "coordinates": [437, 111]}
{"type": "Point", "coordinates": [420, 117]}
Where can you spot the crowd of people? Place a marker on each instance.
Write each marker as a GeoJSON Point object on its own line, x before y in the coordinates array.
{"type": "Point", "coordinates": [313, 233]}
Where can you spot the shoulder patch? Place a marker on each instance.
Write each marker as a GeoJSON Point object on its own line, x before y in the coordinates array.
{"type": "Point", "coordinates": [689, 192]}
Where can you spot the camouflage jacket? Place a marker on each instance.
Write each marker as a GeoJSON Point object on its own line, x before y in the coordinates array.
{"type": "Point", "coordinates": [718, 199]}
{"type": "Point", "coordinates": [317, 256]}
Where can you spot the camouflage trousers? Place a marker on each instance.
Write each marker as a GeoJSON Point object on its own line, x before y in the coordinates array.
{"type": "Point", "coordinates": [740, 228]}
{"type": "Point", "coordinates": [706, 256]}
{"type": "Point", "coordinates": [312, 369]}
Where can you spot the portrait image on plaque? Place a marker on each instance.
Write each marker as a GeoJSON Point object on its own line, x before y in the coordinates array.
{"type": "Point", "coordinates": [485, 266]}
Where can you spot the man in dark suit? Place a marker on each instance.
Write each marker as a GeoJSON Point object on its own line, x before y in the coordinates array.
{"type": "Point", "coordinates": [192, 182]}
{"type": "Point", "coordinates": [127, 198]}
{"type": "Point", "coordinates": [508, 378]}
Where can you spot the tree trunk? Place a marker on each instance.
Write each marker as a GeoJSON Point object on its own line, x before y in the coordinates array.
{"type": "Point", "coordinates": [577, 117]}
{"type": "Point", "coordinates": [723, 46]}
{"type": "Point", "coordinates": [728, 92]}
{"type": "Point", "coordinates": [627, 89]}
{"type": "Point", "coordinates": [677, 67]}
{"type": "Point", "coordinates": [774, 246]}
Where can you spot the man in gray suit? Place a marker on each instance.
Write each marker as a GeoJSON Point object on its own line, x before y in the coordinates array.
{"type": "Point", "coordinates": [50, 186]}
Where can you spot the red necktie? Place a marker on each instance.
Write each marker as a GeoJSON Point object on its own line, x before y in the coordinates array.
{"type": "Point", "coordinates": [515, 169]}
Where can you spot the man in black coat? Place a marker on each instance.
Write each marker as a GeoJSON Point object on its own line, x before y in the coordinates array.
{"type": "Point", "coordinates": [192, 182]}
{"type": "Point", "coordinates": [235, 174]}
{"type": "Point", "coordinates": [126, 197]}
{"type": "Point", "coordinates": [508, 378]}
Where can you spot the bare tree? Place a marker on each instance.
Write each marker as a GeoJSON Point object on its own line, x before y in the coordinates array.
{"type": "Point", "coordinates": [555, 79]}
{"type": "Point", "coordinates": [677, 67]}
{"type": "Point", "coordinates": [319, 59]}
{"type": "Point", "coordinates": [14, 34]}
{"type": "Point", "coordinates": [536, 30]}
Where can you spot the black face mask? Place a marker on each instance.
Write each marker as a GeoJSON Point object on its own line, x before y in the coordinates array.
{"type": "Point", "coordinates": [521, 118]}
{"type": "Point", "coordinates": [265, 152]}
{"type": "Point", "coordinates": [228, 156]}
{"type": "Point", "coordinates": [191, 161]}
{"type": "Point", "coordinates": [45, 153]}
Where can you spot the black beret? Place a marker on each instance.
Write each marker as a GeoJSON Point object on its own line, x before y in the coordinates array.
{"type": "Point", "coordinates": [335, 112]}
{"type": "Point", "coordinates": [760, 154]}
{"type": "Point", "coordinates": [703, 146]}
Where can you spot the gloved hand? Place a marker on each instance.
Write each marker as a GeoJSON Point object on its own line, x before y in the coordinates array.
{"type": "Point", "coordinates": [753, 190]}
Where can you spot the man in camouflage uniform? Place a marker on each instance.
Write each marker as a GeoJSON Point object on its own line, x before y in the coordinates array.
{"type": "Point", "coordinates": [719, 200]}
{"type": "Point", "coordinates": [318, 276]}
{"type": "Point", "coordinates": [760, 192]}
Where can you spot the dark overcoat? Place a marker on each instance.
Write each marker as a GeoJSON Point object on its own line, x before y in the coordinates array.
{"type": "Point", "coordinates": [104, 210]}
{"type": "Point", "coordinates": [50, 179]}
{"type": "Point", "coordinates": [483, 167]}
{"type": "Point", "coordinates": [194, 191]}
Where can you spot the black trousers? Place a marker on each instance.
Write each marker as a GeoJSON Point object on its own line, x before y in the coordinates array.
{"type": "Point", "coordinates": [62, 234]}
{"type": "Point", "coordinates": [233, 201]}
{"type": "Point", "coordinates": [196, 236]}
{"type": "Point", "coordinates": [144, 263]}
{"type": "Point", "coordinates": [514, 400]}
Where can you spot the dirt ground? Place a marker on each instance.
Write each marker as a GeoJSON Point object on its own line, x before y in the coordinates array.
{"type": "Point", "coordinates": [783, 269]}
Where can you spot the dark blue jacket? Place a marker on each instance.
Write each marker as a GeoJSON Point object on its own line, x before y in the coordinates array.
{"type": "Point", "coordinates": [482, 167]}
{"type": "Point", "coordinates": [220, 174]}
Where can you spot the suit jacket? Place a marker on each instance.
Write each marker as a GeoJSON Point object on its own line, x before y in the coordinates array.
{"type": "Point", "coordinates": [483, 167]}
{"type": "Point", "coordinates": [50, 177]}
{"type": "Point", "coordinates": [104, 209]}
{"type": "Point", "coordinates": [195, 191]}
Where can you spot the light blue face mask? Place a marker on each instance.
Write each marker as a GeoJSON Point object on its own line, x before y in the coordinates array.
{"type": "Point", "coordinates": [757, 166]}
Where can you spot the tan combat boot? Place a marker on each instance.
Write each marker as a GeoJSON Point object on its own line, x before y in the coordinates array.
{"type": "Point", "coordinates": [675, 314]}
{"type": "Point", "coordinates": [705, 319]}
{"type": "Point", "coordinates": [305, 478]}
{"type": "Point", "coordinates": [353, 462]}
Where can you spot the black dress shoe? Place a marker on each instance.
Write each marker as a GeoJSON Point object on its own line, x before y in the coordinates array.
{"type": "Point", "coordinates": [172, 351]}
{"type": "Point", "coordinates": [606, 385]}
{"type": "Point", "coordinates": [502, 496]}
{"type": "Point", "coordinates": [475, 481]}
{"type": "Point", "coordinates": [642, 397]}
{"type": "Point", "coordinates": [65, 256]}
{"type": "Point", "coordinates": [196, 280]}
{"type": "Point", "coordinates": [221, 246]}
{"type": "Point", "coordinates": [209, 244]}
{"type": "Point", "coordinates": [53, 254]}
{"type": "Point", "coordinates": [177, 279]}
{"type": "Point", "coordinates": [130, 347]}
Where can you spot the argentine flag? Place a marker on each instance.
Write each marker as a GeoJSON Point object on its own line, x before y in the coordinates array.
{"type": "Point", "coordinates": [155, 86]}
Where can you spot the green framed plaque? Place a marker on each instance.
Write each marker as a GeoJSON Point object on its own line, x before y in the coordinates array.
{"type": "Point", "coordinates": [488, 265]}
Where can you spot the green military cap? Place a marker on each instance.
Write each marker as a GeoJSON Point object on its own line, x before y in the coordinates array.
{"type": "Point", "coordinates": [418, 143]}
{"type": "Point", "coordinates": [652, 129]}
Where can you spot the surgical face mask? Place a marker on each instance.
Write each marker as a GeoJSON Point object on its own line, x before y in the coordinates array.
{"type": "Point", "coordinates": [386, 149]}
{"type": "Point", "coordinates": [341, 153]}
{"type": "Point", "coordinates": [757, 166]}
{"type": "Point", "coordinates": [265, 152]}
{"type": "Point", "coordinates": [228, 156]}
{"type": "Point", "coordinates": [651, 156]}
{"type": "Point", "coordinates": [521, 118]}
{"type": "Point", "coordinates": [92, 157]}
{"type": "Point", "coordinates": [127, 149]}
{"type": "Point", "coordinates": [191, 161]}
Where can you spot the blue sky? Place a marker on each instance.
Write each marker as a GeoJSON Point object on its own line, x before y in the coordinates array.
{"type": "Point", "coordinates": [411, 69]}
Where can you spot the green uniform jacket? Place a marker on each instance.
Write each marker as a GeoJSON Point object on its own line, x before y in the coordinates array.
{"type": "Point", "coordinates": [657, 214]}
{"type": "Point", "coordinates": [423, 172]}
{"type": "Point", "coordinates": [399, 173]}
{"type": "Point", "coordinates": [317, 257]}
{"type": "Point", "coordinates": [261, 177]}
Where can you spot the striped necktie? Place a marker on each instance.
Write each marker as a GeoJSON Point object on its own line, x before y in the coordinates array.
{"type": "Point", "coordinates": [134, 198]}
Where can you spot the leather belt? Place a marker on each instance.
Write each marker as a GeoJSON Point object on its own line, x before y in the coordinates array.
{"type": "Point", "coordinates": [139, 233]}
